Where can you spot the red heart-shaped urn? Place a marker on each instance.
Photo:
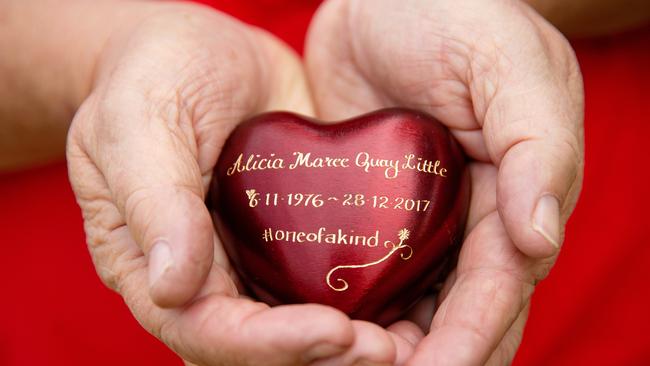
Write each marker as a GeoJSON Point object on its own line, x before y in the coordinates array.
{"type": "Point", "coordinates": [362, 215]}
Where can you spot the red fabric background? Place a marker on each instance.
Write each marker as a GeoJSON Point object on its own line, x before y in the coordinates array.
{"type": "Point", "coordinates": [592, 310]}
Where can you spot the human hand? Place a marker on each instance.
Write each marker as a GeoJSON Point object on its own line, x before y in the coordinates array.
{"type": "Point", "coordinates": [508, 86]}
{"type": "Point", "coordinates": [170, 84]}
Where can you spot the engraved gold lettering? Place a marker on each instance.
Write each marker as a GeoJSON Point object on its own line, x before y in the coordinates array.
{"type": "Point", "coordinates": [403, 235]}
{"type": "Point", "coordinates": [307, 161]}
{"type": "Point", "coordinates": [407, 164]}
{"type": "Point", "coordinates": [236, 166]}
{"type": "Point", "coordinates": [365, 161]}
{"type": "Point", "coordinates": [317, 200]}
{"type": "Point", "coordinates": [338, 237]}
{"type": "Point", "coordinates": [255, 162]}
{"type": "Point", "coordinates": [424, 165]}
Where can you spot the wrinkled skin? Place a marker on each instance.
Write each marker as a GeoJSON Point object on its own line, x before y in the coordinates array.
{"type": "Point", "coordinates": [171, 86]}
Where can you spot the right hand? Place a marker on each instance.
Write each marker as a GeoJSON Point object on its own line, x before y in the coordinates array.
{"type": "Point", "coordinates": [169, 87]}
{"type": "Point", "coordinates": [508, 86]}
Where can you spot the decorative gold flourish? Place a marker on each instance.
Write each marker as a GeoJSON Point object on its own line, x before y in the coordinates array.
{"type": "Point", "coordinates": [403, 235]}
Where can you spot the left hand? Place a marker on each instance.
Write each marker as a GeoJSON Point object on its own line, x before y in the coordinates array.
{"type": "Point", "coordinates": [508, 86]}
{"type": "Point", "coordinates": [171, 83]}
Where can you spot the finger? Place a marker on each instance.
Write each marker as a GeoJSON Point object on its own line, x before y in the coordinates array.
{"type": "Point", "coordinates": [408, 331]}
{"type": "Point", "coordinates": [423, 311]}
{"type": "Point", "coordinates": [483, 178]}
{"type": "Point", "coordinates": [532, 126]}
{"type": "Point", "coordinates": [372, 346]}
{"type": "Point", "coordinates": [493, 283]}
{"type": "Point", "coordinates": [218, 329]}
{"type": "Point", "coordinates": [447, 286]}
{"type": "Point", "coordinates": [403, 347]}
{"type": "Point", "coordinates": [154, 133]}
{"type": "Point", "coordinates": [540, 172]}
{"type": "Point", "coordinates": [482, 203]}
{"type": "Point", "coordinates": [154, 179]}
{"type": "Point", "coordinates": [477, 257]}
{"type": "Point", "coordinates": [152, 176]}
{"type": "Point", "coordinates": [505, 352]}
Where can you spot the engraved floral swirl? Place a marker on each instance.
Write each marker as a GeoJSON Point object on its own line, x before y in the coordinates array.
{"type": "Point", "coordinates": [403, 235]}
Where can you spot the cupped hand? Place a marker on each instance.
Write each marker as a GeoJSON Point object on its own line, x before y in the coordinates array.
{"type": "Point", "coordinates": [170, 85]}
{"type": "Point", "coordinates": [508, 86]}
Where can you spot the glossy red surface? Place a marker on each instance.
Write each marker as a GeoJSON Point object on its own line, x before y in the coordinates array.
{"type": "Point", "coordinates": [368, 233]}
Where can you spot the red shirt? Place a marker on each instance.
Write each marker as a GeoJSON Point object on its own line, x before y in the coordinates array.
{"type": "Point", "coordinates": [594, 308]}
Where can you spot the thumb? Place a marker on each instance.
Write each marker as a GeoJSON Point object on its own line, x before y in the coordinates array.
{"type": "Point", "coordinates": [153, 132]}
{"type": "Point", "coordinates": [533, 130]}
{"type": "Point", "coordinates": [540, 172]}
{"type": "Point", "coordinates": [150, 168]}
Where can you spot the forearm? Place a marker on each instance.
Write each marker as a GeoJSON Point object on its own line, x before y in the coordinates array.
{"type": "Point", "coordinates": [581, 18]}
{"type": "Point", "coordinates": [48, 54]}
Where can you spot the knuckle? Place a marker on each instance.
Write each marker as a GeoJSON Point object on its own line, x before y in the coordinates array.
{"type": "Point", "coordinates": [102, 223]}
{"type": "Point", "coordinates": [542, 268]}
{"type": "Point", "coordinates": [139, 210]}
{"type": "Point", "coordinates": [165, 330]}
{"type": "Point", "coordinates": [570, 144]}
{"type": "Point", "coordinates": [114, 261]}
{"type": "Point", "coordinates": [569, 149]}
{"type": "Point", "coordinates": [103, 262]}
{"type": "Point", "coordinates": [81, 139]}
{"type": "Point", "coordinates": [142, 209]}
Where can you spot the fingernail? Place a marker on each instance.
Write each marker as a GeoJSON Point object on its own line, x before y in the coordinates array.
{"type": "Point", "coordinates": [546, 219]}
{"type": "Point", "coordinates": [323, 350]}
{"type": "Point", "coordinates": [160, 261]}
